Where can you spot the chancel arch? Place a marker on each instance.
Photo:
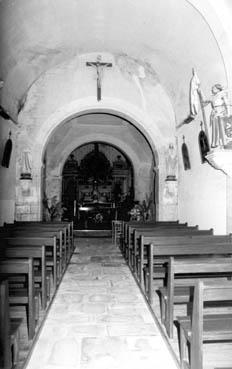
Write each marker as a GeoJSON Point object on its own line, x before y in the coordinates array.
{"type": "Point", "coordinates": [107, 131]}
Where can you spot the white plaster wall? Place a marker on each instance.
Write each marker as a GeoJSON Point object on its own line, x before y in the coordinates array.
{"type": "Point", "coordinates": [202, 190]}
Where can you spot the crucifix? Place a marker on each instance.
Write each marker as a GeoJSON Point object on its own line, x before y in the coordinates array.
{"type": "Point", "coordinates": [99, 67]}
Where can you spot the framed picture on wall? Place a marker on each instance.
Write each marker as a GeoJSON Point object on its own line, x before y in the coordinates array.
{"type": "Point", "coordinates": [185, 155]}
{"type": "Point", "coordinates": [203, 145]}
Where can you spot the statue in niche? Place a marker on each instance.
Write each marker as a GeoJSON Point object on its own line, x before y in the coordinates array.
{"type": "Point", "coordinates": [26, 165]}
{"type": "Point", "coordinates": [171, 163]}
{"type": "Point", "coordinates": [219, 104]}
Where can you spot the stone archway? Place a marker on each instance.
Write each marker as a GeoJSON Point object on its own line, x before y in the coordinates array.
{"type": "Point", "coordinates": [128, 142]}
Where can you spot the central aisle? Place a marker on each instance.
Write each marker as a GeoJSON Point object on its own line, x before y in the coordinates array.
{"type": "Point", "coordinates": [99, 319]}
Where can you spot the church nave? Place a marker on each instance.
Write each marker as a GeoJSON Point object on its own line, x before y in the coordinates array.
{"type": "Point", "coordinates": [115, 114]}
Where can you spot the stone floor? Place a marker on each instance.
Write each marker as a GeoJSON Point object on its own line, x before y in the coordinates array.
{"type": "Point", "coordinates": [99, 319]}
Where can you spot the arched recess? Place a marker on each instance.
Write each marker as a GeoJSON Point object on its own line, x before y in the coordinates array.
{"type": "Point", "coordinates": [56, 154]}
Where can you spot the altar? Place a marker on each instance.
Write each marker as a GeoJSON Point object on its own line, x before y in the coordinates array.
{"type": "Point", "coordinates": [95, 215]}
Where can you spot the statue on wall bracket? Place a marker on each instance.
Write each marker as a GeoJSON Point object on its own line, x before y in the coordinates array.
{"type": "Point", "coordinates": [25, 175]}
{"type": "Point", "coordinates": [220, 119]}
{"type": "Point", "coordinates": [26, 166]}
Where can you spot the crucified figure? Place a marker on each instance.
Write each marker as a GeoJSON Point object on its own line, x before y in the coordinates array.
{"type": "Point", "coordinates": [99, 68]}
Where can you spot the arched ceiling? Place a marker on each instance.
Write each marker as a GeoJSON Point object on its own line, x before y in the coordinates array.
{"type": "Point", "coordinates": [97, 127]}
{"type": "Point", "coordinates": [170, 35]}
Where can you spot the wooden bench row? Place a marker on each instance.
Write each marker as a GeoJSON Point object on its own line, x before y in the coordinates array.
{"type": "Point", "coordinates": [153, 251]}
{"type": "Point", "coordinates": [34, 256]}
{"type": "Point", "coordinates": [202, 327]}
{"type": "Point", "coordinates": [9, 329]}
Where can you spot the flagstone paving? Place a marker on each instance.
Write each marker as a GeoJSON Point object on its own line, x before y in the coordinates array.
{"type": "Point", "coordinates": [99, 319]}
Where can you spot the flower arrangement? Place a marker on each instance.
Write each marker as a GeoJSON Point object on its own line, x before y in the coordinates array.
{"type": "Point", "coordinates": [54, 208]}
{"type": "Point", "coordinates": [135, 213]}
{"type": "Point", "coordinates": [142, 212]}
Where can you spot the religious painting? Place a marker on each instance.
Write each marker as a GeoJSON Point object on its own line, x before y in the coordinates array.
{"type": "Point", "coordinates": [203, 145]}
{"type": "Point", "coordinates": [185, 156]}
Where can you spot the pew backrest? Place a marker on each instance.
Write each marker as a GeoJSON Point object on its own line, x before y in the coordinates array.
{"type": "Point", "coordinates": [205, 292]}
{"type": "Point", "coordinates": [185, 272]}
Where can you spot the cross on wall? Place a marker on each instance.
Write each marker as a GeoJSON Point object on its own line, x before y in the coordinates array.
{"type": "Point", "coordinates": [99, 68]}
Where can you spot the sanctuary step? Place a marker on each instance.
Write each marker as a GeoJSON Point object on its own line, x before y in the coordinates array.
{"type": "Point", "coordinates": [92, 233]}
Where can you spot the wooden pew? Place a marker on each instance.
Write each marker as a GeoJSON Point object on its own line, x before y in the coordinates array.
{"type": "Point", "coordinates": [181, 275]}
{"type": "Point", "coordinates": [204, 328]}
{"type": "Point", "coordinates": [51, 246]}
{"type": "Point", "coordinates": [173, 239]}
{"type": "Point", "coordinates": [146, 237]}
{"type": "Point", "coordinates": [135, 232]}
{"type": "Point", "coordinates": [68, 226]}
{"type": "Point", "coordinates": [5, 346]}
{"type": "Point", "coordinates": [34, 252]}
{"type": "Point", "coordinates": [126, 226]}
{"type": "Point", "coordinates": [130, 226]}
{"type": "Point", "coordinates": [19, 250]}
{"type": "Point", "coordinates": [158, 253]}
{"type": "Point", "coordinates": [9, 330]}
{"type": "Point", "coordinates": [152, 223]}
{"type": "Point", "coordinates": [45, 234]}
{"type": "Point", "coordinates": [67, 239]}
{"type": "Point", "coordinates": [168, 231]}
{"type": "Point", "coordinates": [11, 267]}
